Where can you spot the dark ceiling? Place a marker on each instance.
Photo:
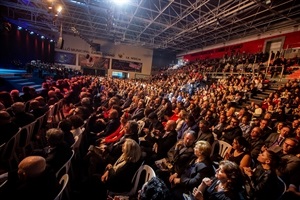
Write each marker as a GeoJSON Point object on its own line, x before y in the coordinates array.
{"type": "Point", "coordinates": [173, 25]}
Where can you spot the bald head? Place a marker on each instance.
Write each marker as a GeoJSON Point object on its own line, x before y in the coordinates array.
{"type": "Point", "coordinates": [31, 167]}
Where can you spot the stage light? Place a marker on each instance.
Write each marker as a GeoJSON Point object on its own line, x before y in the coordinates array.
{"type": "Point", "coordinates": [51, 40]}
{"type": "Point", "coordinates": [59, 9]}
{"type": "Point", "coordinates": [19, 28]}
{"type": "Point", "coordinates": [42, 37]}
{"type": "Point", "coordinates": [120, 2]}
{"type": "Point", "coordinates": [31, 33]}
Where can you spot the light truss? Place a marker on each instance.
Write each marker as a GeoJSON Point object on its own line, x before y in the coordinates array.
{"type": "Point", "coordinates": [174, 25]}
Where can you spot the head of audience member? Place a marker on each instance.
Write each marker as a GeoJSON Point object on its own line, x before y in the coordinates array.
{"type": "Point", "coordinates": [18, 107]}
{"type": "Point", "coordinates": [202, 150]}
{"type": "Point", "coordinates": [6, 99]}
{"type": "Point", "coordinates": [65, 125]}
{"type": "Point", "coordinates": [263, 123]}
{"type": "Point", "coordinates": [51, 94]}
{"type": "Point", "coordinates": [14, 93]}
{"type": "Point", "coordinates": [41, 101]}
{"type": "Point", "coordinates": [147, 111]}
{"type": "Point", "coordinates": [76, 121]}
{"type": "Point", "coordinates": [34, 104]}
{"type": "Point", "coordinates": [189, 138]}
{"type": "Point", "coordinates": [131, 128]}
{"type": "Point", "coordinates": [82, 112]}
{"type": "Point", "coordinates": [190, 120]}
{"type": "Point", "coordinates": [55, 137]}
{"type": "Point", "coordinates": [154, 189]}
{"type": "Point", "coordinates": [290, 146]}
{"type": "Point", "coordinates": [131, 150]}
{"type": "Point", "coordinates": [26, 89]}
{"type": "Point", "coordinates": [5, 117]}
{"type": "Point", "coordinates": [268, 116]}
{"type": "Point", "coordinates": [125, 118]}
{"type": "Point", "coordinates": [255, 133]}
{"type": "Point", "coordinates": [295, 123]}
{"type": "Point", "coordinates": [182, 114]}
{"type": "Point", "coordinates": [240, 144]}
{"type": "Point", "coordinates": [32, 92]}
{"type": "Point", "coordinates": [203, 125]}
{"type": "Point", "coordinates": [230, 174]}
{"type": "Point", "coordinates": [113, 114]}
{"type": "Point", "coordinates": [285, 131]}
{"type": "Point", "coordinates": [45, 85]}
{"type": "Point", "coordinates": [153, 117]}
{"type": "Point", "coordinates": [269, 159]}
{"type": "Point", "coordinates": [170, 125]}
{"type": "Point", "coordinates": [85, 102]}
{"type": "Point", "coordinates": [31, 167]}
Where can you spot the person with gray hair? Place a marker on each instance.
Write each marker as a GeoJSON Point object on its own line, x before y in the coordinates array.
{"type": "Point", "coordinates": [57, 152]}
{"type": "Point", "coordinates": [21, 118]}
{"type": "Point", "coordinates": [117, 175]}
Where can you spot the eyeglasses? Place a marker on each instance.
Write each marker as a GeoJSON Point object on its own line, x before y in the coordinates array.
{"type": "Point", "coordinates": [287, 144]}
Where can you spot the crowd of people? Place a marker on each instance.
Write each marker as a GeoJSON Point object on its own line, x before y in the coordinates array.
{"type": "Point", "coordinates": [134, 122]}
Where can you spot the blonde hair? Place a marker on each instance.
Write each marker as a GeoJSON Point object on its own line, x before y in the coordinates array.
{"type": "Point", "coordinates": [203, 147]}
{"type": "Point", "coordinates": [131, 151]}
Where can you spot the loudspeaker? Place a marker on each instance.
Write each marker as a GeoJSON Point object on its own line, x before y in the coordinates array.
{"type": "Point", "coordinates": [60, 43]}
{"type": "Point", "coordinates": [96, 47]}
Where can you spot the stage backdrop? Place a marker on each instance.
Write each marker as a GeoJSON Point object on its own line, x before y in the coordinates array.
{"type": "Point", "coordinates": [126, 65]}
{"type": "Point", "coordinates": [65, 58]}
{"type": "Point", "coordinates": [94, 62]}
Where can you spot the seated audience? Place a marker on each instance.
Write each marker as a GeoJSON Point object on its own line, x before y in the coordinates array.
{"type": "Point", "coordinates": [118, 175]}
{"type": "Point", "coordinates": [32, 180]}
{"type": "Point", "coordinates": [239, 152]}
{"type": "Point", "coordinates": [263, 179]}
{"type": "Point", "coordinates": [21, 118]}
{"type": "Point", "coordinates": [227, 183]}
{"type": "Point", "coordinates": [199, 168]}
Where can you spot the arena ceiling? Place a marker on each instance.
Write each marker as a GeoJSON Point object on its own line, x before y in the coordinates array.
{"type": "Point", "coordinates": [173, 25]}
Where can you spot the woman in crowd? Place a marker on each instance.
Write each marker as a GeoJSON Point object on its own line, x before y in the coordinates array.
{"type": "Point", "coordinates": [239, 152]}
{"type": "Point", "coordinates": [263, 179]}
{"type": "Point", "coordinates": [198, 169]}
{"type": "Point", "coordinates": [227, 184]}
{"type": "Point", "coordinates": [117, 176]}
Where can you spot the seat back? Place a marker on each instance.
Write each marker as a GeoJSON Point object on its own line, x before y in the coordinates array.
{"type": "Point", "coordinates": [66, 167]}
{"type": "Point", "coordinates": [8, 154]}
{"type": "Point", "coordinates": [149, 173]}
{"type": "Point", "coordinates": [63, 182]}
{"type": "Point", "coordinates": [137, 181]}
{"type": "Point", "coordinates": [281, 187]}
{"type": "Point", "coordinates": [221, 146]}
{"type": "Point", "coordinates": [24, 139]}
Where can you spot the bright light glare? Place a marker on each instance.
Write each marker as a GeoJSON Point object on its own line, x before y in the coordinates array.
{"type": "Point", "coordinates": [120, 2]}
{"type": "Point", "coordinates": [59, 9]}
